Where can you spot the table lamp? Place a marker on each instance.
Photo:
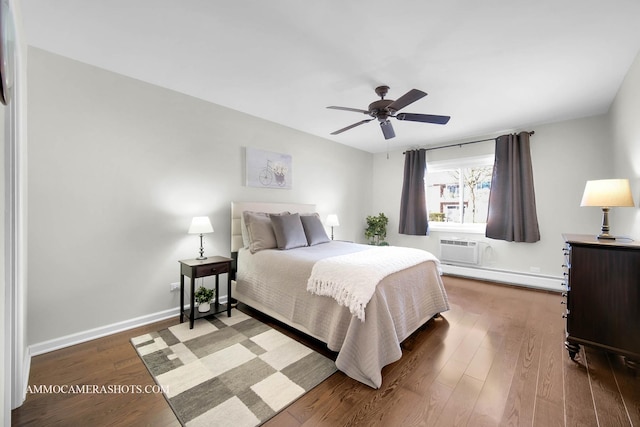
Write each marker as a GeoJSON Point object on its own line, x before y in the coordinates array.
{"type": "Point", "coordinates": [332, 221]}
{"type": "Point", "coordinates": [201, 225]}
{"type": "Point", "coordinates": [607, 193]}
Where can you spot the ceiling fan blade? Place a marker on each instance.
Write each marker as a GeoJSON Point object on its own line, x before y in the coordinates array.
{"type": "Point", "coordinates": [350, 126]}
{"type": "Point", "coordinates": [408, 98]}
{"type": "Point", "coordinates": [387, 129]}
{"type": "Point", "coordinates": [424, 118]}
{"type": "Point", "coordinates": [356, 110]}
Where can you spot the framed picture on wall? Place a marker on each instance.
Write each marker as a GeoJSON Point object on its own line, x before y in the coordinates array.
{"type": "Point", "coordinates": [268, 169]}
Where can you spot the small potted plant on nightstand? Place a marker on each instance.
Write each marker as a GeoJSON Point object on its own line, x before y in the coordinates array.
{"type": "Point", "coordinates": [203, 297]}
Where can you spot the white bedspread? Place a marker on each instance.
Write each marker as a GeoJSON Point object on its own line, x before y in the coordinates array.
{"type": "Point", "coordinates": [352, 279]}
{"type": "Point", "coordinates": [275, 282]}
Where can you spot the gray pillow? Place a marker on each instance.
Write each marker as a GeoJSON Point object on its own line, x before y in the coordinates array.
{"type": "Point", "coordinates": [245, 234]}
{"type": "Point", "coordinates": [289, 231]}
{"type": "Point", "coordinates": [313, 229]}
{"type": "Point", "coordinates": [259, 231]}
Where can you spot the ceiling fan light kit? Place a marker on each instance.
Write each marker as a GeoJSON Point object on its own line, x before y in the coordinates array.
{"type": "Point", "coordinates": [383, 109]}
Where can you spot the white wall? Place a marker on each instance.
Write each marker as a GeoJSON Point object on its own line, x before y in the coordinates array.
{"type": "Point", "coordinates": [625, 124]}
{"type": "Point", "coordinates": [119, 167]}
{"type": "Point", "coordinates": [564, 156]}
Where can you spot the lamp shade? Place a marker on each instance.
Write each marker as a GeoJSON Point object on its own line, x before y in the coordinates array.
{"type": "Point", "coordinates": [200, 225]}
{"type": "Point", "coordinates": [332, 220]}
{"type": "Point", "coordinates": [607, 193]}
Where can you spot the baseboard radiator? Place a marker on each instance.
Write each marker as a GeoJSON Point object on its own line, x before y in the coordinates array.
{"type": "Point", "coordinates": [459, 251]}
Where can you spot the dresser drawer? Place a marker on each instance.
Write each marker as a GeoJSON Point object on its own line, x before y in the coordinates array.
{"type": "Point", "coordinates": [211, 269]}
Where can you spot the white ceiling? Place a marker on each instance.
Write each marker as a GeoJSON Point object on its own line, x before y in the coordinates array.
{"type": "Point", "coordinates": [493, 66]}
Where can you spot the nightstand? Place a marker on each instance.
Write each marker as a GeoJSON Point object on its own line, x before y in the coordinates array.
{"type": "Point", "coordinates": [196, 268]}
{"type": "Point", "coordinates": [602, 296]}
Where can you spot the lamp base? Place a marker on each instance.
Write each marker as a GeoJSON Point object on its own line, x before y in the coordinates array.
{"type": "Point", "coordinates": [201, 257]}
{"type": "Point", "coordinates": [606, 237]}
{"type": "Point", "coordinates": [605, 226]}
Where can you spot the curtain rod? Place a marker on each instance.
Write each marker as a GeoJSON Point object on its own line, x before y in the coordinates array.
{"type": "Point", "coordinates": [466, 143]}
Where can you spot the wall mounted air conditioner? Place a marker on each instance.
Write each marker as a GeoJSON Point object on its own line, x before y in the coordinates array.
{"type": "Point", "coordinates": [459, 251]}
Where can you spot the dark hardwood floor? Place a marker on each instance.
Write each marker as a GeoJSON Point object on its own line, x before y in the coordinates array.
{"type": "Point", "coordinates": [496, 358]}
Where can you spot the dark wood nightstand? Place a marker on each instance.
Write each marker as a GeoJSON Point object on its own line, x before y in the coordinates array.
{"type": "Point", "coordinates": [602, 296]}
{"type": "Point", "coordinates": [196, 268]}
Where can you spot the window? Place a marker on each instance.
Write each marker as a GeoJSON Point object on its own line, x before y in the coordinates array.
{"type": "Point", "coordinates": [457, 193]}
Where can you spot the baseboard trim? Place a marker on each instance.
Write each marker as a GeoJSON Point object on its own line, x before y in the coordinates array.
{"type": "Point", "coordinates": [91, 334]}
{"type": "Point", "coordinates": [538, 281]}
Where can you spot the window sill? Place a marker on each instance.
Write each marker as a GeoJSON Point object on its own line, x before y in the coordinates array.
{"type": "Point", "coordinates": [457, 228]}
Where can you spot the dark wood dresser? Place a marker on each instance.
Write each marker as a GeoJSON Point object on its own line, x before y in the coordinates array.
{"type": "Point", "coordinates": [603, 295]}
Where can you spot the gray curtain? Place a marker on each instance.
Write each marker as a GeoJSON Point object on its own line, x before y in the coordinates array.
{"type": "Point", "coordinates": [512, 203]}
{"type": "Point", "coordinates": [413, 206]}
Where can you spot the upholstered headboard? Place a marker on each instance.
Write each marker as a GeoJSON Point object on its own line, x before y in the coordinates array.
{"type": "Point", "coordinates": [238, 207]}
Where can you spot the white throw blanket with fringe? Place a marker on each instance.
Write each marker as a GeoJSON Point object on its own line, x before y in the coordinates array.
{"type": "Point", "coordinates": [352, 279]}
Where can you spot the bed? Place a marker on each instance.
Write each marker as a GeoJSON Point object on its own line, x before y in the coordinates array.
{"type": "Point", "coordinates": [280, 283]}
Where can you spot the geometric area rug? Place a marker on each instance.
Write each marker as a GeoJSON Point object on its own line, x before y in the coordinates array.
{"type": "Point", "coordinates": [233, 371]}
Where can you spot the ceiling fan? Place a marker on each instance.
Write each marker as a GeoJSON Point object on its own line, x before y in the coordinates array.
{"type": "Point", "coordinates": [385, 108]}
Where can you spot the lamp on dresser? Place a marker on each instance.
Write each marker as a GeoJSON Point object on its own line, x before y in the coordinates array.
{"type": "Point", "coordinates": [201, 225]}
{"type": "Point", "coordinates": [607, 193]}
{"type": "Point", "coordinates": [332, 221]}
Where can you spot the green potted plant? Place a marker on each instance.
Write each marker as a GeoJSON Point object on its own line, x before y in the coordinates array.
{"type": "Point", "coordinates": [376, 230]}
{"type": "Point", "coordinates": [203, 297]}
